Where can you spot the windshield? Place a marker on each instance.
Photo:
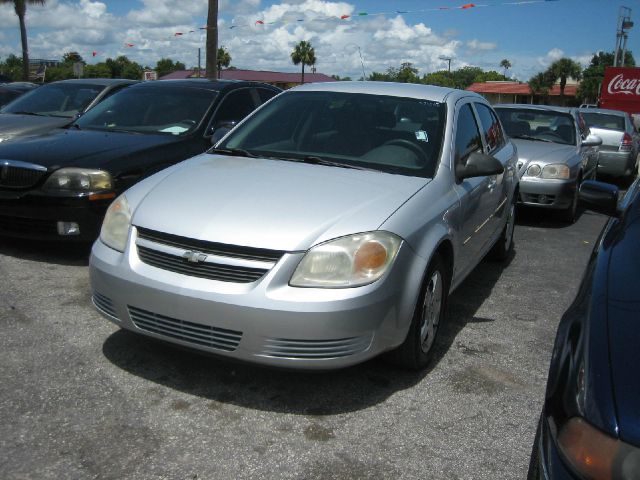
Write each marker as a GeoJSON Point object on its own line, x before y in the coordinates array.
{"type": "Point", "coordinates": [540, 125]}
{"type": "Point", "coordinates": [390, 134]}
{"type": "Point", "coordinates": [150, 109]}
{"type": "Point", "coordinates": [55, 100]}
{"type": "Point", "coordinates": [604, 120]}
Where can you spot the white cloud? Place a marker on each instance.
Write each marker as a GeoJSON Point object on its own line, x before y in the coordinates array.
{"type": "Point", "coordinates": [477, 45]}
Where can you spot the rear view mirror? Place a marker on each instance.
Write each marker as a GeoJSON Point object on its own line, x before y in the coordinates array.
{"type": "Point", "coordinates": [600, 197]}
{"type": "Point", "coordinates": [221, 129]}
{"type": "Point", "coordinates": [592, 141]}
{"type": "Point", "coordinates": [479, 165]}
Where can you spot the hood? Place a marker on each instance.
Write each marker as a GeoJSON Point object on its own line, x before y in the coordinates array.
{"type": "Point", "coordinates": [13, 125]}
{"type": "Point", "coordinates": [623, 321]}
{"type": "Point", "coordinates": [79, 148]}
{"type": "Point", "coordinates": [542, 153]}
{"type": "Point", "coordinates": [270, 204]}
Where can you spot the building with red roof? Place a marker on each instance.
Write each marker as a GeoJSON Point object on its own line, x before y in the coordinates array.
{"type": "Point", "coordinates": [517, 92]}
{"type": "Point", "coordinates": [279, 79]}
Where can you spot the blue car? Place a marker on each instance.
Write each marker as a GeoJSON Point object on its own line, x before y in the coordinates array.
{"type": "Point", "coordinates": [590, 422]}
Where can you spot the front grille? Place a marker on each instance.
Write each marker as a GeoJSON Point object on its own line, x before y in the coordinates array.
{"type": "Point", "coordinates": [23, 225]}
{"type": "Point", "coordinates": [20, 176]}
{"type": "Point", "coordinates": [210, 248]}
{"type": "Point", "coordinates": [315, 349]}
{"type": "Point", "coordinates": [210, 271]}
{"type": "Point", "coordinates": [190, 332]}
{"type": "Point", "coordinates": [104, 304]}
{"type": "Point", "coordinates": [541, 199]}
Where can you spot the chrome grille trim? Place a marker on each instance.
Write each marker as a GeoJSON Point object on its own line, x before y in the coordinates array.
{"type": "Point", "coordinates": [189, 332]}
{"type": "Point", "coordinates": [17, 174]}
{"type": "Point", "coordinates": [104, 305]}
{"type": "Point", "coordinates": [315, 349]}
{"type": "Point", "coordinates": [208, 270]}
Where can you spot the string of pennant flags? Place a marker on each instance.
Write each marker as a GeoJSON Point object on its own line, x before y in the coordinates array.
{"type": "Point", "coordinates": [353, 16]}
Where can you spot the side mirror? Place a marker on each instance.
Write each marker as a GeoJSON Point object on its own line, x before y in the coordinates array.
{"type": "Point", "coordinates": [221, 129]}
{"type": "Point", "coordinates": [479, 165]}
{"type": "Point", "coordinates": [592, 141]}
{"type": "Point", "coordinates": [600, 197]}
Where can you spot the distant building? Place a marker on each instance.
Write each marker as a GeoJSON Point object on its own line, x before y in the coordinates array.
{"type": "Point", "coordinates": [517, 92]}
{"type": "Point", "coordinates": [279, 79]}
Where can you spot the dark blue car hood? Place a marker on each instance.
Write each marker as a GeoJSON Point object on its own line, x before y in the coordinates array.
{"type": "Point", "coordinates": [81, 148]}
{"type": "Point", "coordinates": [623, 315]}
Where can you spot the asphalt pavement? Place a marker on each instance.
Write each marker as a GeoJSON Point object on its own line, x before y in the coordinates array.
{"type": "Point", "coordinates": [81, 399]}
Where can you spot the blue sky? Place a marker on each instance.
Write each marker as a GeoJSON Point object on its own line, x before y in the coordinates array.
{"type": "Point", "coordinates": [531, 35]}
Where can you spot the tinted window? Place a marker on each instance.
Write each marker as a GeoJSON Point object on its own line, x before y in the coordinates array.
{"type": "Point", "coordinates": [544, 125]}
{"type": "Point", "coordinates": [491, 128]}
{"type": "Point", "coordinates": [467, 135]}
{"type": "Point", "coordinates": [150, 109]}
{"type": "Point", "coordinates": [55, 100]}
{"type": "Point", "coordinates": [235, 106]}
{"type": "Point", "coordinates": [360, 130]}
{"type": "Point", "coordinates": [266, 94]}
{"type": "Point", "coordinates": [603, 120]}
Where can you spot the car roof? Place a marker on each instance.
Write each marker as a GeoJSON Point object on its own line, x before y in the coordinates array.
{"type": "Point", "coordinates": [411, 90]}
{"type": "Point", "coordinates": [205, 83]}
{"type": "Point", "coordinates": [96, 81]}
{"type": "Point", "coordinates": [607, 111]}
{"type": "Point", "coordinates": [546, 108]}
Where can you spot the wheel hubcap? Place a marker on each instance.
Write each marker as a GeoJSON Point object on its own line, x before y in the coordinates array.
{"type": "Point", "coordinates": [431, 311]}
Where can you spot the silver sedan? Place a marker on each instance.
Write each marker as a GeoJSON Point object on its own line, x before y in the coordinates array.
{"type": "Point", "coordinates": [556, 152]}
{"type": "Point", "coordinates": [327, 228]}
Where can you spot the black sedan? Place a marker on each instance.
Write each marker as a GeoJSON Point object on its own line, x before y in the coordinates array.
{"type": "Point", "coordinates": [590, 423]}
{"type": "Point", "coordinates": [54, 105]}
{"type": "Point", "coordinates": [58, 185]}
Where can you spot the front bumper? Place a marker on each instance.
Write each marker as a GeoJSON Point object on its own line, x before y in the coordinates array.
{"type": "Point", "coordinates": [549, 462]}
{"type": "Point", "coordinates": [616, 164]}
{"type": "Point", "coordinates": [555, 194]}
{"type": "Point", "coordinates": [265, 321]}
{"type": "Point", "coordinates": [34, 215]}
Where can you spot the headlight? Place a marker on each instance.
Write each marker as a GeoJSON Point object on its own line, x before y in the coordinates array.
{"type": "Point", "coordinates": [533, 170]}
{"type": "Point", "coordinates": [594, 454]}
{"type": "Point", "coordinates": [78, 180]}
{"type": "Point", "coordinates": [348, 261]}
{"type": "Point", "coordinates": [115, 227]}
{"type": "Point", "coordinates": [556, 171]}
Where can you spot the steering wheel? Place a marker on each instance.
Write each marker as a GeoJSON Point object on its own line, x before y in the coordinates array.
{"type": "Point", "coordinates": [409, 145]}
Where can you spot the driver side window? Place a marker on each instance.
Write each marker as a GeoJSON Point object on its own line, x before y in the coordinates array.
{"type": "Point", "coordinates": [467, 135]}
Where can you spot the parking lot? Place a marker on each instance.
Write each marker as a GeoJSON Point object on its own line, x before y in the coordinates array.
{"type": "Point", "coordinates": [82, 399]}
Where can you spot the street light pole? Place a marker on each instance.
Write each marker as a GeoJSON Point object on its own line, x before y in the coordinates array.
{"type": "Point", "coordinates": [446, 59]}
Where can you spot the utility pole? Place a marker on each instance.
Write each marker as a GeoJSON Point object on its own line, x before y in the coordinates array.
{"type": "Point", "coordinates": [624, 25]}
{"type": "Point", "coordinates": [446, 59]}
{"type": "Point", "coordinates": [199, 74]}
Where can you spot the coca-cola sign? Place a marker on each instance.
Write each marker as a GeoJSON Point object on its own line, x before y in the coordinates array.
{"type": "Point", "coordinates": [621, 81]}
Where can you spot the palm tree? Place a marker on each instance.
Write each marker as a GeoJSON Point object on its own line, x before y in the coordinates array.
{"type": "Point", "coordinates": [212, 40]}
{"type": "Point", "coordinates": [20, 6]}
{"type": "Point", "coordinates": [506, 64]}
{"type": "Point", "coordinates": [223, 59]}
{"type": "Point", "coordinates": [540, 84]}
{"type": "Point", "coordinates": [563, 69]}
{"type": "Point", "coordinates": [305, 54]}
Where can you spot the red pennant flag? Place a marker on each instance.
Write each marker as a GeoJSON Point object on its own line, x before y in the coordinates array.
{"type": "Point", "coordinates": [468, 5]}
{"type": "Point", "coordinates": [259, 22]}
{"type": "Point", "coordinates": [344, 17]}
{"type": "Point", "coordinates": [177, 34]}
{"type": "Point", "coordinates": [129, 45]}
{"type": "Point", "coordinates": [94, 53]}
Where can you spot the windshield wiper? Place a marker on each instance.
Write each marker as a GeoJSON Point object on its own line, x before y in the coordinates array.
{"type": "Point", "coordinates": [236, 152]}
{"type": "Point", "coordinates": [529, 137]}
{"type": "Point", "coordinates": [314, 160]}
{"type": "Point", "coordinates": [29, 113]}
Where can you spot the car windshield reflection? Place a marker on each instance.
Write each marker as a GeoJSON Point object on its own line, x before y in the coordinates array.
{"type": "Point", "coordinates": [55, 100]}
{"type": "Point", "coordinates": [546, 126]}
{"type": "Point", "coordinates": [390, 134]}
{"type": "Point", "coordinates": [168, 111]}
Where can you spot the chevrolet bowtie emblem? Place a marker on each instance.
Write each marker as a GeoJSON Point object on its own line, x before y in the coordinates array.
{"type": "Point", "coordinates": [194, 257]}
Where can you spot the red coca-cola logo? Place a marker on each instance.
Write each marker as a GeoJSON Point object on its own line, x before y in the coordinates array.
{"type": "Point", "coordinates": [628, 86]}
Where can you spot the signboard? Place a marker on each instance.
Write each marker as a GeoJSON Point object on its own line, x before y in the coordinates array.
{"type": "Point", "coordinates": [149, 75]}
{"type": "Point", "coordinates": [621, 89]}
{"type": "Point", "coordinates": [78, 69]}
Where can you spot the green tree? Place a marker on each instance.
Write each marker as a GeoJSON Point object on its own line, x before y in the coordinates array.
{"type": "Point", "coordinates": [12, 67]}
{"type": "Point", "coordinates": [212, 40]}
{"type": "Point", "coordinates": [20, 7]}
{"type": "Point", "coordinates": [165, 66]}
{"type": "Point", "coordinates": [563, 69]}
{"type": "Point", "coordinates": [99, 70]}
{"type": "Point", "coordinates": [59, 72]}
{"type": "Point", "coordinates": [592, 76]}
{"type": "Point", "coordinates": [339, 78]}
{"type": "Point", "coordinates": [122, 67]}
{"type": "Point", "coordinates": [304, 54]}
{"type": "Point", "coordinates": [223, 59]}
{"type": "Point", "coordinates": [72, 57]}
{"type": "Point", "coordinates": [540, 84]}
{"type": "Point", "coordinates": [407, 73]}
{"type": "Point", "coordinates": [506, 65]}
{"type": "Point", "coordinates": [441, 78]}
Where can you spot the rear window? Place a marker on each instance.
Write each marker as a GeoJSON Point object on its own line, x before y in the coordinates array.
{"type": "Point", "coordinates": [604, 120]}
{"type": "Point", "coordinates": [55, 100]}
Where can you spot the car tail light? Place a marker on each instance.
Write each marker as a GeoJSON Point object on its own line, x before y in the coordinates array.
{"type": "Point", "coordinates": [627, 143]}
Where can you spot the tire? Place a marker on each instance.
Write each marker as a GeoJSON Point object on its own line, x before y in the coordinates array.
{"type": "Point", "coordinates": [533, 472]}
{"type": "Point", "coordinates": [417, 349]}
{"type": "Point", "coordinates": [570, 214]}
{"type": "Point", "coordinates": [504, 245]}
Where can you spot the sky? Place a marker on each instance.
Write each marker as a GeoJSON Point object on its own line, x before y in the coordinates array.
{"type": "Point", "coordinates": [529, 33]}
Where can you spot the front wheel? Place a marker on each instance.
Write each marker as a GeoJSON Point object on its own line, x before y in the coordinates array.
{"type": "Point", "coordinates": [503, 246]}
{"type": "Point", "coordinates": [570, 214]}
{"type": "Point", "coordinates": [417, 348]}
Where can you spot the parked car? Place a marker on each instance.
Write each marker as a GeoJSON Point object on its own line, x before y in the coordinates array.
{"type": "Point", "coordinates": [327, 228]}
{"type": "Point", "coordinates": [590, 422]}
{"type": "Point", "coordinates": [54, 105]}
{"type": "Point", "coordinates": [556, 152]}
{"type": "Point", "coordinates": [12, 90]}
{"type": "Point", "coordinates": [57, 186]}
{"type": "Point", "coordinates": [618, 154]}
